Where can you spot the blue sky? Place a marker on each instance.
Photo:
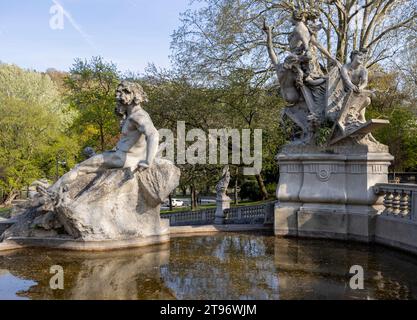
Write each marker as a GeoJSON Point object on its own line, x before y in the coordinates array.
{"type": "Point", "coordinates": [131, 33]}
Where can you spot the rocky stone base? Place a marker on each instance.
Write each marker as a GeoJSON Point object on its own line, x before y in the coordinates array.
{"type": "Point", "coordinates": [112, 205]}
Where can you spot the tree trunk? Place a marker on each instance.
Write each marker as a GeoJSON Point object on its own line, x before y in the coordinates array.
{"type": "Point", "coordinates": [236, 186]}
{"type": "Point", "coordinates": [193, 206]}
{"type": "Point", "coordinates": [195, 198]}
{"type": "Point", "coordinates": [262, 187]}
{"type": "Point", "coordinates": [170, 202]}
{"type": "Point", "coordinates": [10, 197]}
{"type": "Point", "coordinates": [102, 138]}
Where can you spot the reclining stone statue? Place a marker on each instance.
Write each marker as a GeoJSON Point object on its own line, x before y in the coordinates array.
{"type": "Point", "coordinates": [139, 140]}
{"type": "Point", "coordinates": [115, 195]}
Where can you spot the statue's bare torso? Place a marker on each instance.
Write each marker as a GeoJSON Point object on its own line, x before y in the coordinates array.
{"type": "Point", "coordinates": [132, 146]}
{"type": "Point", "coordinates": [132, 143]}
{"type": "Point", "coordinates": [357, 76]}
{"type": "Point", "coordinates": [138, 143]}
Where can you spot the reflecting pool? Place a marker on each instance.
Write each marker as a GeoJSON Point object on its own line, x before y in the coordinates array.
{"type": "Point", "coordinates": [214, 266]}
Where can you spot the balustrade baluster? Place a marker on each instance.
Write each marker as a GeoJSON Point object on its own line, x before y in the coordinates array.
{"type": "Point", "coordinates": [396, 203]}
{"type": "Point", "coordinates": [389, 196]}
{"type": "Point", "coordinates": [404, 204]}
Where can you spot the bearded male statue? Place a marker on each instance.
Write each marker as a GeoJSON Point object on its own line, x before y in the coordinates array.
{"type": "Point", "coordinates": [138, 143]}
{"type": "Point", "coordinates": [115, 195]}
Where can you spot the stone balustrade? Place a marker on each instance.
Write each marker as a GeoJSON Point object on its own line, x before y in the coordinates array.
{"type": "Point", "coordinates": [259, 214]}
{"type": "Point", "coordinates": [183, 218]}
{"type": "Point", "coordinates": [400, 200]}
{"type": "Point", "coordinates": [249, 215]}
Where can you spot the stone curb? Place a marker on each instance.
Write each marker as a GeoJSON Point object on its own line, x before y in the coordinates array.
{"type": "Point", "coordinates": [74, 245]}
{"type": "Point", "coordinates": [179, 230]}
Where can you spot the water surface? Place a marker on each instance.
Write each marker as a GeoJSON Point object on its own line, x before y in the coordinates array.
{"type": "Point", "coordinates": [216, 266]}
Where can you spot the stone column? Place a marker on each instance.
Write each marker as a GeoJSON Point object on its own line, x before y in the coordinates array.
{"type": "Point", "coordinates": [222, 200]}
{"type": "Point", "coordinates": [222, 203]}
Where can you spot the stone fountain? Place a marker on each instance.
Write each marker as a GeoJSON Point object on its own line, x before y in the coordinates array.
{"type": "Point", "coordinates": [328, 170]}
{"type": "Point", "coordinates": [112, 200]}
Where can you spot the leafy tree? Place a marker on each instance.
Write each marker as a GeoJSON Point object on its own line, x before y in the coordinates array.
{"type": "Point", "coordinates": [33, 87]}
{"type": "Point", "coordinates": [58, 77]}
{"type": "Point", "coordinates": [401, 137]}
{"type": "Point", "coordinates": [91, 89]}
{"type": "Point", "coordinates": [393, 103]}
{"type": "Point", "coordinates": [223, 35]}
{"type": "Point", "coordinates": [235, 103]}
{"type": "Point", "coordinates": [33, 127]}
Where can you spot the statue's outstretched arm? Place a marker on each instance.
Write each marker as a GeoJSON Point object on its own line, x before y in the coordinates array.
{"type": "Point", "coordinates": [268, 30]}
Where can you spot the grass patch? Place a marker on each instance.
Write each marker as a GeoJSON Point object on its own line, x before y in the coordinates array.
{"type": "Point", "coordinates": [5, 212]}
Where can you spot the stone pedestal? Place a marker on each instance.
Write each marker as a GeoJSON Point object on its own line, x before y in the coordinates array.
{"type": "Point", "coordinates": [222, 204]}
{"type": "Point", "coordinates": [327, 193]}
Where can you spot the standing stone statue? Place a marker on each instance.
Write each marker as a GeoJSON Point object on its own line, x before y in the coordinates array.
{"type": "Point", "coordinates": [115, 195]}
{"type": "Point", "coordinates": [301, 81]}
{"type": "Point", "coordinates": [222, 199]}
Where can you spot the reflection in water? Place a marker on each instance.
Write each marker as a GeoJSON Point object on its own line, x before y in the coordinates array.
{"type": "Point", "coordinates": [216, 266]}
{"type": "Point", "coordinates": [221, 267]}
{"type": "Point", "coordinates": [10, 286]}
{"type": "Point", "coordinates": [128, 274]}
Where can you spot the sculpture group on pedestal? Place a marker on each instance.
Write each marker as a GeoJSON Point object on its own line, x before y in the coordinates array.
{"type": "Point", "coordinates": [328, 170]}
{"type": "Point", "coordinates": [335, 101]}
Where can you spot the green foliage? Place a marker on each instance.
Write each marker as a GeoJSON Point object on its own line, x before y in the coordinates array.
{"type": "Point", "coordinates": [29, 86]}
{"type": "Point", "coordinates": [323, 134]}
{"type": "Point", "coordinates": [29, 140]}
{"type": "Point", "coordinates": [238, 102]}
{"type": "Point", "coordinates": [393, 104]}
{"type": "Point", "coordinates": [32, 130]}
{"type": "Point", "coordinates": [249, 190]}
{"type": "Point", "coordinates": [401, 137]}
{"type": "Point", "coordinates": [91, 89]}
